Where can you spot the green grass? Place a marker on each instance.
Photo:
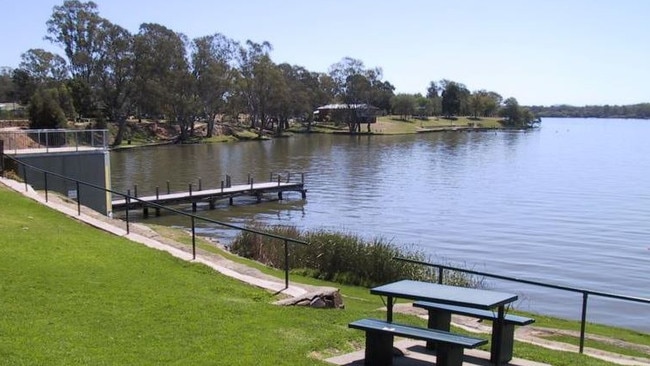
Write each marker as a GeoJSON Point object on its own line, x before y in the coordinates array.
{"type": "Point", "coordinates": [72, 295]}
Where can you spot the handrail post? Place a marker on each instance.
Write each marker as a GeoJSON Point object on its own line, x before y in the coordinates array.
{"type": "Point", "coordinates": [78, 199]}
{"type": "Point", "coordinates": [585, 296]}
{"type": "Point", "coordinates": [440, 272]}
{"type": "Point", "coordinates": [128, 203]}
{"type": "Point", "coordinates": [286, 264]}
{"type": "Point", "coordinates": [193, 238]}
{"type": "Point", "coordinates": [2, 157]}
{"type": "Point", "coordinates": [45, 181]}
{"type": "Point", "coordinates": [25, 176]}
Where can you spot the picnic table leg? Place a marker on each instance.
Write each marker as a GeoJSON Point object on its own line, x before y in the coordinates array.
{"type": "Point", "coordinates": [497, 337]}
{"type": "Point", "coordinates": [389, 309]}
{"type": "Point", "coordinates": [438, 319]}
{"type": "Point", "coordinates": [379, 349]}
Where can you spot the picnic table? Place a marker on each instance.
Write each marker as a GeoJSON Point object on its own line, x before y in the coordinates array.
{"type": "Point", "coordinates": [451, 295]}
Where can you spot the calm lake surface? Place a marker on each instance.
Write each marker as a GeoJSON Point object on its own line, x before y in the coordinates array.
{"type": "Point", "coordinates": [568, 204]}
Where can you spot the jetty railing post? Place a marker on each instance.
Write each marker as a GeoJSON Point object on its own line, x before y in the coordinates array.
{"type": "Point", "coordinates": [288, 177]}
{"type": "Point", "coordinates": [78, 199]}
{"type": "Point", "coordinates": [128, 203]}
{"type": "Point", "coordinates": [278, 180]}
{"type": "Point", "coordinates": [168, 191]}
{"type": "Point", "coordinates": [251, 182]}
{"type": "Point", "coordinates": [585, 296]}
{"type": "Point", "coordinates": [440, 273]}
{"type": "Point", "coordinates": [135, 190]}
{"type": "Point", "coordinates": [200, 185]}
{"type": "Point", "coordinates": [193, 238]}
{"type": "Point", "coordinates": [221, 186]}
{"type": "Point", "coordinates": [302, 178]}
{"type": "Point", "coordinates": [286, 264]}
{"type": "Point", "coordinates": [45, 182]}
{"type": "Point", "coordinates": [249, 178]}
{"type": "Point", "coordinates": [157, 193]}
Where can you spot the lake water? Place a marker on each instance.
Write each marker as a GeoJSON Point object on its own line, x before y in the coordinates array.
{"type": "Point", "coordinates": [568, 204]}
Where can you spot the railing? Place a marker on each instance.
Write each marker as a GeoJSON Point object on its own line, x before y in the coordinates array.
{"type": "Point", "coordinates": [585, 293]}
{"type": "Point", "coordinates": [128, 197]}
{"type": "Point", "coordinates": [27, 141]}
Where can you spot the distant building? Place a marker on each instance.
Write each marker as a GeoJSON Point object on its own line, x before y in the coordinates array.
{"type": "Point", "coordinates": [347, 113]}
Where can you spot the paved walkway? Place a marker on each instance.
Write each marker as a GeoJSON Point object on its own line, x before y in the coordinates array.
{"type": "Point", "coordinates": [144, 235]}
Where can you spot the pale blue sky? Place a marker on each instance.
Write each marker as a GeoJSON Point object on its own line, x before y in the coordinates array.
{"type": "Point", "coordinates": [541, 52]}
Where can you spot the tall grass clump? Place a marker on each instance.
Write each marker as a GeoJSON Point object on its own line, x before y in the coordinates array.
{"type": "Point", "coordinates": [334, 256]}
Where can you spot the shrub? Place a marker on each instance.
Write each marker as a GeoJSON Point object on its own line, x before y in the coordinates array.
{"type": "Point", "coordinates": [338, 257]}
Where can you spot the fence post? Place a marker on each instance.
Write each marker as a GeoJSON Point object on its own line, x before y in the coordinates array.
{"type": "Point", "coordinates": [440, 272]}
{"type": "Point", "coordinates": [193, 239]}
{"type": "Point", "coordinates": [78, 199]}
{"type": "Point", "coordinates": [585, 296]}
{"type": "Point", "coordinates": [45, 181]}
{"type": "Point", "coordinates": [128, 203]}
{"type": "Point", "coordinates": [286, 264]}
{"type": "Point", "coordinates": [25, 176]}
{"type": "Point", "coordinates": [2, 158]}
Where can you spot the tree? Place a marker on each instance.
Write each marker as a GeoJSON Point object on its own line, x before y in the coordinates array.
{"type": "Point", "coordinates": [164, 84]}
{"type": "Point", "coordinates": [259, 79]}
{"type": "Point", "coordinates": [404, 105]}
{"type": "Point", "coordinates": [77, 27]}
{"type": "Point", "coordinates": [517, 116]}
{"type": "Point", "coordinates": [44, 67]}
{"type": "Point", "coordinates": [44, 110]}
{"type": "Point", "coordinates": [115, 77]}
{"type": "Point", "coordinates": [7, 87]}
{"type": "Point", "coordinates": [451, 99]}
{"type": "Point", "coordinates": [212, 66]}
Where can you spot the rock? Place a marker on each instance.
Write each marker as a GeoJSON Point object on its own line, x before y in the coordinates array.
{"type": "Point", "coordinates": [326, 297]}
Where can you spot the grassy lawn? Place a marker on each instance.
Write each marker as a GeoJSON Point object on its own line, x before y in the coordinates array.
{"type": "Point", "coordinates": [72, 295]}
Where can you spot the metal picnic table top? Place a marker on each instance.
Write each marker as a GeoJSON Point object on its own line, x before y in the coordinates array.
{"type": "Point", "coordinates": [445, 294]}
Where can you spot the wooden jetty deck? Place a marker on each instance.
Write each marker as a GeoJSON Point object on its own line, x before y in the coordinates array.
{"type": "Point", "coordinates": [257, 190]}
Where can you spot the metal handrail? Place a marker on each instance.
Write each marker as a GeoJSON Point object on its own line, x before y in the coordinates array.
{"type": "Point", "coordinates": [128, 197]}
{"type": "Point", "coordinates": [55, 139]}
{"type": "Point", "coordinates": [585, 292]}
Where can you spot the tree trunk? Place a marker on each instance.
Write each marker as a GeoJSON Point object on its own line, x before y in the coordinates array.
{"type": "Point", "coordinates": [121, 126]}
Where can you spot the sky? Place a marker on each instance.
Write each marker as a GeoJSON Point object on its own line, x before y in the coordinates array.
{"type": "Point", "coordinates": [577, 52]}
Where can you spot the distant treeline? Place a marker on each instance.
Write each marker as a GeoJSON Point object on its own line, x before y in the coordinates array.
{"type": "Point", "coordinates": [641, 111]}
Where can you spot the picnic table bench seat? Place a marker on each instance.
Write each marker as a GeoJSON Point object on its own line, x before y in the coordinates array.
{"type": "Point", "coordinates": [380, 335]}
{"type": "Point", "coordinates": [440, 318]}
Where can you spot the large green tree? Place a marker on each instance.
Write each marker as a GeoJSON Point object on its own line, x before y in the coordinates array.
{"type": "Point", "coordinates": [165, 85]}
{"type": "Point", "coordinates": [77, 27]}
{"type": "Point", "coordinates": [114, 79]}
{"type": "Point", "coordinates": [404, 105]}
{"type": "Point", "coordinates": [213, 68]}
